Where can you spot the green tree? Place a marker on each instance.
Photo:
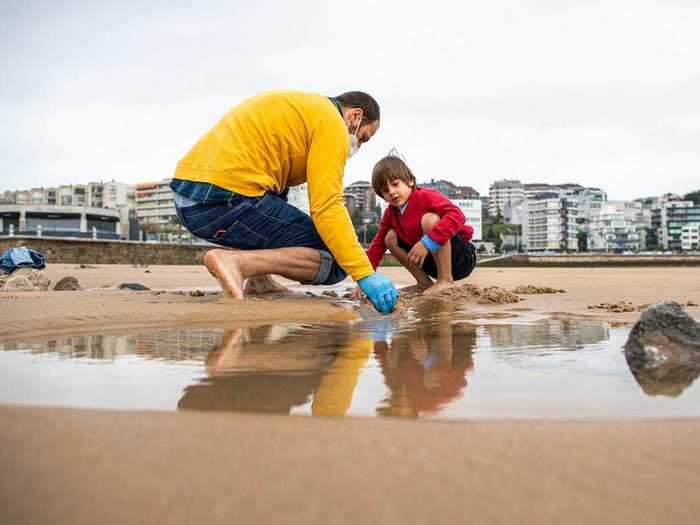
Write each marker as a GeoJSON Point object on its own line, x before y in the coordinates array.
{"type": "Point", "coordinates": [693, 196]}
{"type": "Point", "coordinates": [582, 237]}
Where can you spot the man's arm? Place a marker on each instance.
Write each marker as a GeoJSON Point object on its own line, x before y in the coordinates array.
{"type": "Point", "coordinates": [324, 173]}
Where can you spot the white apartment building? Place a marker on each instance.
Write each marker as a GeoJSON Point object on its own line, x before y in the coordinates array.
{"type": "Point", "coordinates": [617, 226]}
{"type": "Point", "coordinates": [690, 236]}
{"type": "Point", "coordinates": [298, 197]}
{"type": "Point", "coordinates": [93, 195]}
{"type": "Point", "coordinates": [502, 192]}
{"type": "Point", "coordinates": [472, 211]}
{"type": "Point", "coordinates": [589, 200]}
{"type": "Point", "coordinates": [155, 207]}
{"type": "Point", "coordinates": [550, 224]}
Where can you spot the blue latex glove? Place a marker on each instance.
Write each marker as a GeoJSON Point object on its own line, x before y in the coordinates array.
{"type": "Point", "coordinates": [381, 291]}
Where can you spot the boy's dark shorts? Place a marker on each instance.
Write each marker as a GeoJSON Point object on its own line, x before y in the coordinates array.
{"type": "Point", "coordinates": [463, 258]}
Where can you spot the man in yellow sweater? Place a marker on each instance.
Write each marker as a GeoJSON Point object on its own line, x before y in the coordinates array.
{"type": "Point", "coordinates": [231, 189]}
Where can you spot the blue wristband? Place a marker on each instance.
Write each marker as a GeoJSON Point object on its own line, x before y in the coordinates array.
{"type": "Point", "coordinates": [430, 244]}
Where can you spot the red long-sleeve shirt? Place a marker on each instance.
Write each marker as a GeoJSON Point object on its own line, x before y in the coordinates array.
{"type": "Point", "coordinates": [407, 225]}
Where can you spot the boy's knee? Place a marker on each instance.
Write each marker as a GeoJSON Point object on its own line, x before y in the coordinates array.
{"type": "Point", "coordinates": [391, 240]}
{"type": "Point", "coordinates": [428, 221]}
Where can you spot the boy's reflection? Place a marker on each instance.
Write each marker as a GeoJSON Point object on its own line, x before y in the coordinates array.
{"type": "Point", "coordinates": [425, 369]}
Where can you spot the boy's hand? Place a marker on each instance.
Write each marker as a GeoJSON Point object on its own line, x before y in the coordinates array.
{"type": "Point", "coordinates": [418, 254]}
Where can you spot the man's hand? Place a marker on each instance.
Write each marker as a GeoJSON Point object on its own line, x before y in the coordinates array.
{"type": "Point", "coordinates": [418, 254]}
{"type": "Point", "coordinates": [381, 291]}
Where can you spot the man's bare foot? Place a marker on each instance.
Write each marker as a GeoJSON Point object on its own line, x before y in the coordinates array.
{"type": "Point", "coordinates": [225, 357]}
{"type": "Point", "coordinates": [223, 265]}
{"type": "Point", "coordinates": [439, 286]}
{"type": "Point", "coordinates": [259, 284]}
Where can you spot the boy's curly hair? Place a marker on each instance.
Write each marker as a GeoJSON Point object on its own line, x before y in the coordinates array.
{"type": "Point", "coordinates": [390, 168]}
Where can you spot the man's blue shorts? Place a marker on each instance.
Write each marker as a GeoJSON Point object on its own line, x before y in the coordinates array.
{"type": "Point", "coordinates": [259, 223]}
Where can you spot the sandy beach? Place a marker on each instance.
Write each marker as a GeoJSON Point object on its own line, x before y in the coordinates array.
{"type": "Point", "coordinates": [80, 466]}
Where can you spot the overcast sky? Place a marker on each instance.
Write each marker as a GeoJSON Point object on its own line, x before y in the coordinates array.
{"type": "Point", "coordinates": [604, 94]}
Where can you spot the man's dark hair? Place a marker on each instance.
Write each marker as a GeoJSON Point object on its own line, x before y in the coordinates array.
{"type": "Point", "coordinates": [358, 99]}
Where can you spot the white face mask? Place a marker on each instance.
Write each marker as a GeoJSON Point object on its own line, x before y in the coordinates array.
{"type": "Point", "coordinates": [354, 142]}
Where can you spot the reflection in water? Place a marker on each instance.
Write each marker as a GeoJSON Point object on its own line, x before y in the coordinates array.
{"type": "Point", "coordinates": [563, 335]}
{"type": "Point", "coordinates": [426, 368]}
{"type": "Point", "coordinates": [256, 370]}
{"type": "Point", "coordinates": [663, 378]}
{"type": "Point", "coordinates": [414, 368]}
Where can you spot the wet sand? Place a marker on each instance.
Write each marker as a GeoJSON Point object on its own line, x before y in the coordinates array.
{"type": "Point", "coordinates": [28, 314]}
{"type": "Point", "coordinates": [69, 466]}
{"type": "Point", "coordinates": [80, 466]}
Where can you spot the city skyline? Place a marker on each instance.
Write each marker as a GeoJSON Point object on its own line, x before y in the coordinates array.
{"type": "Point", "coordinates": [562, 92]}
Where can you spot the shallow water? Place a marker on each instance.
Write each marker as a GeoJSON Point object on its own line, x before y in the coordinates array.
{"type": "Point", "coordinates": [442, 366]}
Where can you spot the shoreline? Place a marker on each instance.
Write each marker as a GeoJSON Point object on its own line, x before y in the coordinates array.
{"type": "Point", "coordinates": [102, 308]}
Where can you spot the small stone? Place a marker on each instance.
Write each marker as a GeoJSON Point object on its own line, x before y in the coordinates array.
{"type": "Point", "coordinates": [691, 303]}
{"type": "Point", "coordinates": [68, 283]}
{"type": "Point", "coordinates": [197, 293]}
{"type": "Point", "coordinates": [136, 287]}
{"type": "Point", "coordinates": [86, 266]}
{"type": "Point", "coordinates": [330, 293]}
{"type": "Point", "coordinates": [147, 271]}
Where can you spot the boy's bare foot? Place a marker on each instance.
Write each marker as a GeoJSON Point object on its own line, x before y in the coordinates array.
{"type": "Point", "coordinates": [224, 266]}
{"type": "Point", "coordinates": [439, 287]}
{"type": "Point", "coordinates": [260, 284]}
{"type": "Point", "coordinates": [419, 287]}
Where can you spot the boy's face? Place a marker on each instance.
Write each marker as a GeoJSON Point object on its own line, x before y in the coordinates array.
{"type": "Point", "coordinates": [397, 192]}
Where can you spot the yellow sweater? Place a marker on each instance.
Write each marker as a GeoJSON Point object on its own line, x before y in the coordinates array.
{"type": "Point", "coordinates": [280, 139]}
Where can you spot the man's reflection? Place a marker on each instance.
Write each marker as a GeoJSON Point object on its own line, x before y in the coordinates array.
{"type": "Point", "coordinates": [262, 370]}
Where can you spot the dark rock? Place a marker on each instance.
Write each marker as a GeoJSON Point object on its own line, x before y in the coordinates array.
{"type": "Point", "coordinates": [197, 293]}
{"type": "Point", "coordinates": [68, 283]}
{"type": "Point", "coordinates": [137, 287]}
{"type": "Point", "coordinates": [663, 349]}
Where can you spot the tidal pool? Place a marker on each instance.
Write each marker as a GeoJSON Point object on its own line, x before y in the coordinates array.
{"type": "Point", "coordinates": [442, 366]}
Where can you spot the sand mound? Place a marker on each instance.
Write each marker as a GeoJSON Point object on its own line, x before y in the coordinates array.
{"type": "Point", "coordinates": [622, 306]}
{"type": "Point", "coordinates": [619, 307]}
{"type": "Point", "coordinates": [526, 289]}
{"type": "Point", "coordinates": [472, 293]}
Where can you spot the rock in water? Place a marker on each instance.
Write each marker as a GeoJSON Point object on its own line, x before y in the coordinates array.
{"type": "Point", "coordinates": [27, 279]}
{"type": "Point", "coordinates": [68, 283]}
{"type": "Point", "coordinates": [663, 349]}
{"type": "Point", "coordinates": [137, 287]}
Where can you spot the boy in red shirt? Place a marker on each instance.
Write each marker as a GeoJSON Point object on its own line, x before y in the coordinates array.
{"type": "Point", "coordinates": [421, 228]}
